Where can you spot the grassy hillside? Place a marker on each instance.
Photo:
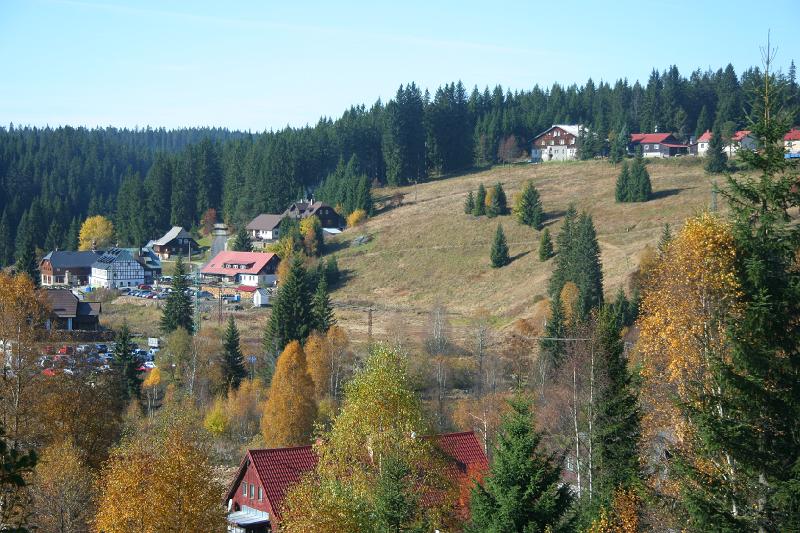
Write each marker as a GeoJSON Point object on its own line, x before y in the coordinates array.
{"type": "Point", "coordinates": [428, 252]}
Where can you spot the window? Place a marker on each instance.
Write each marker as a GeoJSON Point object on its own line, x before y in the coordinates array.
{"type": "Point", "coordinates": [260, 494]}
{"type": "Point", "coordinates": [252, 487]}
{"type": "Point", "coordinates": [646, 146]}
{"type": "Point", "coordinates": [244, 488]}
{"type": "Point", "coordinates": [655, 147]}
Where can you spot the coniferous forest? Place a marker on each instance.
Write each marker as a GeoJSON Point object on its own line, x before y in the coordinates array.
{"type": "Point", "coordinates": [51, 179]}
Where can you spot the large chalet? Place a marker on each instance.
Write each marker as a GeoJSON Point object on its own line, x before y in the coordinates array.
{"type": "Point", "coordinates": [67, 268]}
{"type": "Point", "coordinates": [256, 495]}
{"type": "Point", "coordinates": [557, 143]}
{"type": "Point", "coordinates": [658, 145]}
{"type": "Point", "coordinates": [250, 269]}
{"type": "Point", "coordinates": [176, 241]}
{"type": "Point", "coordinates": [327, 216]}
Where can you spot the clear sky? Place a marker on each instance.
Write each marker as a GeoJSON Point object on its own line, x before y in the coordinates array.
{"type": "Point", "coordinates": [264, 64]}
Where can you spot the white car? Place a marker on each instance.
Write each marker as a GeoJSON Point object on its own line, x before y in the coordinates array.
{"type": "Point", "coordinates": [149, 365]}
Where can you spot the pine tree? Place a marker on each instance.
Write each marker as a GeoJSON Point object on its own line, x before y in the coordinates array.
{"type": "Point", "coordinates": [54, 237]}
{"type": "Point", "coordinates": [126, 366]}
{"type": "Point", "coordinates": [640, 187]}
{"type": "Point", "coordinates": [564, 262]}
{"type": "Point", "coordinates": [587, 268]}
{"type": "Point", "coordinates": [716, 160]}
{"type": "Point", "coordinates": [290, 410]}
{"type": "Point", "coordinates": [233, 370]}
{"type": "Point", "coordinates": [499, 254]}
{"type": "Point", "coordinates": [665, 239]}
{"type": "Point", "coordinates": [623, 188]}
{"type": "Point", "coordinates": [469, 203]}
{"type": "Point", "coordinates": [617, 419]}
{"type": "Point", "coordinates": [321, 311]}
{"type": "Point", "coordinates": [555, 328]}
{"type": "Point", "coordinates": [6, 244]}
{"type": "Point", "coordinates": [529, 207]}
{"type": "Point", "coordinates": [26, 264]}
{"type": "Point", "coordinates": [332, 274]}
{"type": "Point", "coordinates": [523, 490]}
{"type": "Point", "coordinates": [72, 239]}
{"type": "Point", "coordinates": [545, 246]}
{"type": "Point", "coordinates": [242, 241]}
{"type": "Point", "coordinates": [619, 148]}
{"type": "Point", "coordinates": [703, 121]}
{"type": "Point", "coordinates": [480, 201]}
{"type": "Point", "coordinates": [499, 204]}
{"type": "Point", "coordinates": [178, 310]}
{"type": "Point", "coordinates": [396, 499]}
{"type": "Point", "coordinates": [291, 317]}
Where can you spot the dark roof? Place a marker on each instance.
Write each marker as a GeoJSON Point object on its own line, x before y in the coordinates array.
{"type": "Point", "coordinates": [176, 232]}
{"type": "Point", "coordinates": [305, 208]}
{"type": "Point", "coordinates": [63, 302]}
{"type": "Point", "coordinates": [89, 308]}
{"type": "Point", "coordinates": [280, 468]}
{"type": "Point", "coordinates": [105, 261]}
{"type": "Point", "coordinates": [66, 259]}
{"type": "Point", "coordinates": [265, 222]}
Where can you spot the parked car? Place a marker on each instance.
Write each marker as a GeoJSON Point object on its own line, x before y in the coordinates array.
{"type": "Point", "coordinates": [83, 348]}
{"type": "Point", "coordinates": [144, 286]}
{"type": "Point", "coordinates": [101, 348]}
{"type": "Point", "coordinates": [66, 350]}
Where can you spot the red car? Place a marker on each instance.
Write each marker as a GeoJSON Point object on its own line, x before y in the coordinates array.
{"type": "Point", "coordinates": [66, 350]}
{"type": "Point", "coordinates": [145, 287]}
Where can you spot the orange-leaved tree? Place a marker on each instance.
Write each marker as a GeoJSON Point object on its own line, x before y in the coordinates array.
{"type": "Point", "coordinates": [290, 409]}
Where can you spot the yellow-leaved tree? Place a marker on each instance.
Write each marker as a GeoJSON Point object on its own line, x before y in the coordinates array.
{"type": "Point", "coordinates": [690, 294]}
{"type": "Point", "coordinates": [159, 482]}
{"type": "Point", "coordinates": [96, 232]}
{"type": "Point", "coordinates": [311, 230]}
{"type": "Point", "coordinates": [356, 218]}
{"type": "Point", "coordinates": [290, 409]}
{"type": "Point", "coordinates": [63, 489]}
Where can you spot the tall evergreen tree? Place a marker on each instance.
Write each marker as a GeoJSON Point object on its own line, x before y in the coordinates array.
{"type": "Point", "coordinates": [617, 419]}
{"type": "Point", "coordinates": [178, 310]}
{"type": "Point", "coordinates": [587, 267]}
{"type": "Point", "coordinates": [619, 148]}
{"type": "Point", "coordinates": [555, 329]}
{"type": "Point", "coordinates": [6, 244]}
{"type": "Point", "coordinates": [321, 310]}
{"type": "Point", "coordinates": [469, 203]}
{"type": "Point", "coordinates": [545, 246]}
{"type": "Point", "coordinates": [480, 201]}
{"type": "Point", "coordinates": [564, 262]}
{"type": "Point", "coordinates": [523, 490]}
{"type": "Point", "coordinates": [72, 239]}
{"type": "Point", "coordinates": [54, 237]}
{"type": "Point", "coordinates": [126, 366]}
{"type": "Point", "coordinates": [529, 207]}
{"type": "Point", "coordinates": [640, 186]}
{"type": "Point", "coordinates": [291, 317]}
{"type": "Point", "coordinates": [499, 254]}
{"type": "Point", "coordinates": [242, 241]}
{"type": "Point", "coordinates": [716, 160]}
{"type": "Point", "coordinates": [623, 187]}
{"type": "Point", "coordinates": [396, 498]}
{"type": "Point", "coordinates": [404, 137]}
{"type": "Point", "coordinates": [233, 370]}
{"type": "Point", "coordinates": [499, 203]}
{"type": "Point", "coordinates": [26, 264]}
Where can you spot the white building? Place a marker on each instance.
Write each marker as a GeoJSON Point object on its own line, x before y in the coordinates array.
{"type": "Point", "coordinates": [116, 269]}
{"type": "Point", "coordinates": [557, 143]}
{"type": "Point", "coordinates": [260, 298]}
{"type": "Point", "coordinates": [791, 141]}
{"type": "Point", "coordinates": [741, 139]}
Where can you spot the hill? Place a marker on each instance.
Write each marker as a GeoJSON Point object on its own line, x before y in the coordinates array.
{"type": "Point", "coordinates": [427, 252]}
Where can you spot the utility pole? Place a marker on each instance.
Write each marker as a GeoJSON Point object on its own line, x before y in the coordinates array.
{"type": "Point", "coordinates": [369, 324]}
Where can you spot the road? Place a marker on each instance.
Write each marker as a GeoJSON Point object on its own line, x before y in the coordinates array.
{"type": "Point", "coordinates": [218, 242]}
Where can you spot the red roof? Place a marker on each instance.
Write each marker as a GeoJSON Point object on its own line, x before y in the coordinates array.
{"type": "Point", "coordinates": [251, 263]}
{"type": "Point", "coordinates": [246, 288]}
{"type": "Point", "coordinates": [739, 135]}
{"type": "Point", "coordinates": [705, 137]}
{"type": "Point", "coordinates": [793, 135]}
{"type": "Point", "coordinates": [280, 468]}
{"type": "Point", "coordinates": [649, 138]}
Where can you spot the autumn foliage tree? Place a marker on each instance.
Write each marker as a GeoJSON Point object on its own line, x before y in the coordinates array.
{"type": "Point", "coordinates": [64, 489]}
{"type": "Point", "coordinates": [290, 409]}
{"type": "Point", "coordinates": [96, 232]}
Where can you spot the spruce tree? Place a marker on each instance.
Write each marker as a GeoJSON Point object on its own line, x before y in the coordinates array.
{"type": "Point", "coordinates": [716, 160]}
{"type": "Point", "coordinates": [523, 489]}
{"type": "Point", "coordinates": [178, 310]}
{"type": "Point", "coordinates": [126, 366]}
{"type": "Point", "coordinates": [291, 317]}
{"type": "Point", "coordinates": [54, 237]}
{"type": "Point", "coordinates": [588, 271]}
{"type": "Point", "coordinates": [623, 188]}
{"type": "Point", "coordinates": [499, 255]}
{"type": "Point", "coordinates": [545, 246]}
{"type": "Point", "coordinates": [242, 241]}
{"type": "Point", "coordinates": [469, 203]}
{"type": "Point", "coordinates": [396, 499]}
{"type": "Point", "coordinates": [233, 369]}
{"type": "Point", "coordinates": [640, 187]}
{"type": "Point", "coordinates": [480, 201]}
{"type": "Point", "coordinates": [73, 235]}
{"type": "Point", "coordinates": [665, 239]}
{"type": "Point", "coordinates": [332, 274]}
{"type": "Point", "coordinates": [499, 204]}
{"type": "Point", "coordinates": [564, 262]}
{"type": "Point", "coordinates": [6, 244]}
{"type": "Point", "coordinates": [619, 148]}
{"type": "Point", "coordinates": [555, 328]}
{"type": "Point", "coordinates": [529, 207]}
{"type": "Point", "coordinates": [26, 264]}
{"type": "Point", "coordinates": [321, 310]}
{"type": "Point", "coordinates": [617, 419]}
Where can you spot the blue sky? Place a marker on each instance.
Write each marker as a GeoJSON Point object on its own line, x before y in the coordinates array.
{"type": "Point", "coordinates": [261, 65]}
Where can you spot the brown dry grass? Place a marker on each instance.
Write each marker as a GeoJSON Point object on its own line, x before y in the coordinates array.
{"type": "Point", "coordinates": [429, 252]}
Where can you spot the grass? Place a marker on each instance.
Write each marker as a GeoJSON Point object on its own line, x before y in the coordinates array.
{"type": "Point", "coordinates": [428, 252]}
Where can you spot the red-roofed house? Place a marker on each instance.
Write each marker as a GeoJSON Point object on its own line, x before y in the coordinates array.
{"type": "Point", "coordinates": [252, 269]}
{"type": "Point", "coordinates": [791, 141]}
{"type": "Point", "coordinates": [256, 495]}
{"type": "Point", "coordinates": [657, 145]}
{"type": "Point", "coordinates": [740, 139]}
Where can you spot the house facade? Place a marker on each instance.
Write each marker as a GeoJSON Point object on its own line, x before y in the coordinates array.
{"type": "Point", "coordinates": [791, 142]}
{"type": "Point", "coordinates": [68, 313]}
{"type": "Point", "coordinates": [740, 139]}
{"type": "Point", "coordinates": [255, 497]}
{"type": "Point", "coordinates": [115, 269]}
{"type": "Point", "coordinates": [558, 143]}
{"type": "Point", "coordinates": [327, 215]}
{"type": "Point", "coordinates": [251, 269]}
{"type": "Point", "coordinates": [176, 241]}
{"type": "Point", "coordinates": [658, 145]}
{"type": "Point", "coordinates": [151, 263]}
{"type": "Point", "coordinates": [265, 228]}
{"type": "Point", "coordinates": [67, 268]}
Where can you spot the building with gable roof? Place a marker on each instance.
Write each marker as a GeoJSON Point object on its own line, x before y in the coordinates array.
{"type": "Point", "coordinates": [557, 143]}
{"type": "Point", "coordinates": [70, 313]}
{"type": "Point", "coordinates": [250, 269]}
{"type": "Point", "coordinates": [740, 139]}
{"type": "Point", "coordinates": [328, 217]}
{"type": "Point", "coordinates": [264, 228]}
{"type": "Point", "coordinates": [791, 142]}
{"type": "Point", "coordinates": [61, 267]}
{"type": "Point", "coordinates": [176, 241]}
{"type": "Point", "coordinates": [256, 495]}
{"type": "Point", "coordinates": [115, 269]}
{"type": "Point", "coordinates": [657, 145]}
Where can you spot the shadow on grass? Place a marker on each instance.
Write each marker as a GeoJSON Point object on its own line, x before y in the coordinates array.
{"type": "Point", "coordinates": [552, 217]}
{"type": "Point", "coordinates": [335, 246]}
{"type": "Point", "coordinates": [666, 193]}
{"type": "Point", "coordinates": [519, 256]}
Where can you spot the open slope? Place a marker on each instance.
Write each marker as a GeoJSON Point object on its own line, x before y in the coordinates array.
{"type": "Point", "coordinates": [428, 252]}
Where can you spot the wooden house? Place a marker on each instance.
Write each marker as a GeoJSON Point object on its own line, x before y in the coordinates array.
{"type": "Point", "coordinates": [176, 241]}
{"type": "Point", "coordinates": [67, 268]}
{"type": "Point", "coordinates": [557, 143]}
{"type": "Point", "coordinates": [327, 216]}
{"type": "Point", "coordinates": [658, 145]}
{"type": "Point", "coordinates": [250, 269]}
{"type": "Point", "coordinates": [68, 313]}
